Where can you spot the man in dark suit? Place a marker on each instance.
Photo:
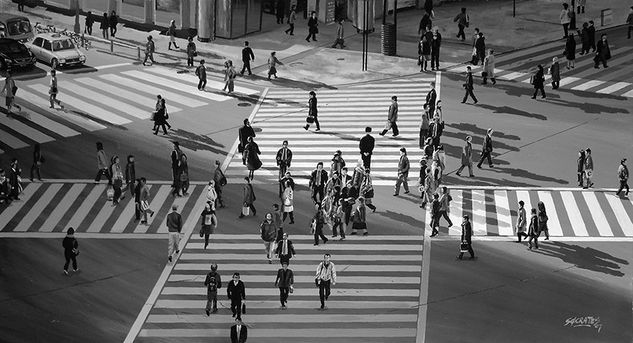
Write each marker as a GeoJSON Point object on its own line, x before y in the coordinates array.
{"type": "Point", "coordinates": [239, 332]}
{"type": "Point", "coordinates": [392, 118]}
{"type": "Point", "coordinates": [468, 86]}
{"type": "Point", "coordinates": [318, 179]}
{"type": "Point", "coordinates": [237, 294]}
{"type": "Point", "coordinates": [175, 162]}
{"type": "Point", "coordinates": [245, 132]}
{"type": "Point", "coordinates": [436, 128]}
{"type": "Point", "coordinates": [403, 173]}
{"type": "Point", "coordinates": [285, 250]}
{"type": "Point", "coordinates": [467, 234]}
{"type": "Point", "coordinates": [284, 158]}
{"type": "Point", "coordinates": [486, 150]}
{"type": "Point", "coordinates": [137, 199]}
{"type": "Point", "coordinates": [366, 147]}
{"type": "Point", "coordinates": [431, 99]}
{"type": "Point", "coordinates": [247, 56]}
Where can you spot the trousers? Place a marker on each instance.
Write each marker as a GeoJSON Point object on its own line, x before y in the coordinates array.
{"type": "Point", "coordinates": [174, 241]}
{"type": "Point", "coordinates": [324, 291]}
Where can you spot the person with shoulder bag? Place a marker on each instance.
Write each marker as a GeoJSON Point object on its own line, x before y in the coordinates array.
{"type": "Point", "coordinates": [367, 191]}
{"type": "Point", "coordinates": [324, 278]}
{"type": "Point", "coordinates": [71, 250]}
{"type": "Point", "coordinates": [209, 223]}
{"type": "Point", "coordinates": [533, 230]}
{"type": "Point", "coordinates": [359, 218]}
{"type": "Point", "coordinates": [285, 281]}
{"type": "Point", "coordinates": [268, 231]}
{"type": "Point", "coordinates": [213, 282]}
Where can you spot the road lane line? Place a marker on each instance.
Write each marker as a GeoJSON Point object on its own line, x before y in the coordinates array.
{"type": "Point", "coordinates": [269, 268]}
{"type": "Point", "coordinates": [15, 206]}
{"type": "Point", "coordinates": [118, 106]}
{"type": "Point", "coordinates": [12, 141]}
{"type": "Point", "coordinates": [620, 213]}
{"type": "Point", "coordinates": [25, 130]}
{"type": "Point", "coordinates": [283, 318]}
{"type": "Point", "coordinates": [86, 205]}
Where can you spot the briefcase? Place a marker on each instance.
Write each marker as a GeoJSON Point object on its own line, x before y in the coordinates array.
{"type": "Point", "coordinates": [463, 247]}
{"type": "Point", "coordinates": [310, 119]}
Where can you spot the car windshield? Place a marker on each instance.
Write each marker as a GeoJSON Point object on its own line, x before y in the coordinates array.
{"type": "Point", "coordinates": [12, 47]}
{"type": "Point", "coordinates": [18, 27]}
{"type": "Point", "coordinates": [65, 44]}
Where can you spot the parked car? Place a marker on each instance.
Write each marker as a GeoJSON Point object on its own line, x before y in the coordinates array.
{"type": "Point", "coordinates": [15, 26]}
{"type": "Point", "coordinates": [56, 50]}
{"type": "Point", "coordinates": [14, 54]}
{"type": "Point", "coordinates": [29, 3]}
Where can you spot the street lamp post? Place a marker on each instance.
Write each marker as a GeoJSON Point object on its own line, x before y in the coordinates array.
{"type": "Point", "coordinates": [77, 27]}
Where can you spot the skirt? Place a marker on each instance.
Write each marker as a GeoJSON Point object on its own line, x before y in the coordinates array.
{"type": "Point", "coordinates": [272, 71]}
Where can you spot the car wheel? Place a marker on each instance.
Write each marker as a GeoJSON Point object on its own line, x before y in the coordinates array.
{"type": "Point", "coordinates": [54, 64]}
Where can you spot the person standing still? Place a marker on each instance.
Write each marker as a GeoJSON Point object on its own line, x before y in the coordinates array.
{"type": "Point", "coordinates": [533, 230]}
{"type": "Point", "coordinates": [117, 180]}
{"type": "Point", "coordinates": [149, 50]}
{"type": "Point", "coordinates": [580, 171]}
{"type": "Point", "coordinates": [467, 234]}
{"type": "Point", "coordinates": [171, 31]}
{"type": "Point", "coordinates": [38, 159]}
{"type": "Point", "coordinates": [392, 118]}
{"type": "Point", "coordinates": [229, 77]}
{"type": "Point", "coordinates": [144, 200]}
{"type": "Point", "coordinates": [71, 250]}
{"type": "Point", "coordinates": [436, 43]}
{"type": "Point", "coordinates": [247, 57]}
{"type": "Point", "coordinates": [403, 173]}
{"type": "Point", "coordinates": [565, 19]}
{"type": "Point", "coordinates": [467, 157]}
{"type": "Point", "coordinates": [102, 164]}
{"type": "Point", "coordinates": [588, 169]}
{"type": "Point", "coordinates": [239, 332]}
{"type": "Point", "coordinates": [113, 21]}
{"type": "Point", "coordinates": [53, 91]}
{"type": "Point", "coordinates": [90, 20]}
{"type": "Point", "coordinates": [623, 177]}
{"type": "Point", "coordinates": [176, 153]}
{"type": "Point", "coordinates": [318, 179]}
{"type": "Point", "coordinates": [105, 22]}
{"type": "Point", "coordinates": [468, 86]}
{"type": "Point", "coordinates": [130, 174]}
{"type": "Point", "coordinates": [9, 90]}
{"type": "Point", "coordinates": [325, 278]}
{"type": "Point", "coordinates": [317, 225]}
{"type": "Point", "coordinates": [521, 222]}
{"type": "Point", "coordinates": [137, 200]}
{"type": "Point", "coordinates": [191, 52]}
{"type": "Point", "coordinates": [431, 99]}
{"type": "Point", "coordinates": [201, 73]}
{"type": "Point", "coordinates": [313, 28]}
{"type": "Point", "coordinates": [366, 147]}
{"type": "Point", "coordinates": [220, 182]}
{"type": "Point", "coordinates": [570, 51]}
{"type": "Point", "coordinates": [462, 21]}
{"type": "Point", "coordinates": [292, 17]}
{"type": "Point", "coordinates": [174, 226]}
{"type": "Point", "coordinates": [236, 292]}
{"type": "Point", "coordinates": [486, 150]}
{"type": "Point", "coordinates": [20, 5]}
{"type": "Point", "coordinates": [603, 52]}
{"type": "Point", "coordinates": [285, 281]}
{"type": "Point", "coordinates": [213, 282]}
{"type": "Point", "coordinates": [340, 35]}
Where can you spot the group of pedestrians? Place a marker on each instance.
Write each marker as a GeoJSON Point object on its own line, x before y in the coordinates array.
{"type": "Point", "coordinates": [108, 24]}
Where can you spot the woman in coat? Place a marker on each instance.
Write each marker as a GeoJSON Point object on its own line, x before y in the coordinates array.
{"type": "Point", "coordinates": [251, 160]}
{"type": "Point", "coordinates": [539, 82]}
{"type": "Point", "coordinates": [533, 230]}
{"type": "Point", "coordinates": [542, 219]}
{"type": "Point", "coordinates": [144, 199]}
{"type": "Point", "coordinates": [367, 191]}
{"type": "Point", "coordinates": [489, 68]}
{"type": "Point", "coordinates": [554, 71]}
{"type": "Point", "coordinates": [105, 22]}
{"type": "Point", "coordinates": [268, 231]}
{"type": "Point", "coordinates": [581, 167]}
{"type": "Point", "coordinates": [160, 117]}
{"type": "Point", "coordinates": [570, 51]}
{"type": "Point", "coordinates": [584, 39]}
{"type": "Point", "coordinates": [229, 77]}
{"type": "Point", "coordinates": [467, 157]}
{"type": "Point", "coordinates": [359, 218]}
{"type": "Point", "coordinates": [113, 22]}
{"type": "Point", "coordinates": [172, 35]}
{"type": "Point", "coordinates": [182, 183]}
{"type": "Point", "coordinates": [287, 198]}
{"type": "Point", "coordinates": [313, 28]}
{"type": "Point", "coordinates": [272, 65]}
{"type": "Point", "coordinates": [209, 223]}
{"type": "Point", "coordinates": [117, 179]}
{"type": "Point", "coordinates": [424, 52]}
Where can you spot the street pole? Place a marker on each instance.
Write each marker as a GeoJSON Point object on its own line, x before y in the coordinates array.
{"type": "Point", "coordinates": [77, 27]}
{"type": "Point", "coordinates": [514, 8]}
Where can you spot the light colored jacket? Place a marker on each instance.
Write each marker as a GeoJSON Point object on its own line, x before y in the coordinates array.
{"type": "Point", "coordinates": [489, 65]}
{"type": "Point", "coordinates": [325, 274]}
{"type": "Point", "coordinates": [102, 160]}
{"type": "Point", "coordinates": [564, 16]}
{"type": "Point", "coordinates": [393, 112]}
{"type": "Point", "coordinates": [521, 220]}
{"type": "Point", "coordinates": [588, 162]}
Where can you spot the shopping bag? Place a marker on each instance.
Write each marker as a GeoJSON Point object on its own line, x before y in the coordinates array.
{"type": "Point", "coordinates": [246, 210]}
{"type": "Point", "coordinates": [110, 193]}
{"type": "Point", "coordinates": [310, 119]}
{"type": "Point", "coordinates": [463, 247]}
{"type": "Point", "coordinates": [144, 205]}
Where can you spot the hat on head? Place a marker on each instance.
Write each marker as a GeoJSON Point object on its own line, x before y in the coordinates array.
{"type": "Point", "coordinates": [70, 231]}
{"type": "Point", "coordinates": [623, 160]}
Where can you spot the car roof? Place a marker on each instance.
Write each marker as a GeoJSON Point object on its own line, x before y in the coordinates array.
{"type": "Point", "coordinates": [8, 16]}
{"type": "Point", "coordinates": [51, 36]}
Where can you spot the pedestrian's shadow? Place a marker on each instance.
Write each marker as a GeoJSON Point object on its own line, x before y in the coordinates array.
{"type": "Point", "coordinates": [477, 131]}
{"type": "Point", "coordinates": [512, 111]}
{"type": "Point", "coordinates": [589, 107]}
{"type": "Point", "coordinates": [527, 175]}
{"type": "Point", "coordinates": [196, 142]}
{"type": "Point", "coordinates": [584, 257]}
{"type": "Point", "coordinates": [307, 86]}
{"type": "Point", "coordinates": [403, 218]}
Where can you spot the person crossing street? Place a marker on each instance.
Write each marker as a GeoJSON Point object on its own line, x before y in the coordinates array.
{"type": "Point", "coordinates": [467, 234]}
{"type": "Point", "coordinates": [392, 118]}
{"type": "Point", "coordinates": [623, 177]}
{"type": "Point", "coordinates": [486, 150]}
{"type": "Point", "coordinates": [247, 57]}
{"type": "Point", "coordinates": [468, 86]}
{"type": "Point", "coordinates": [325, 278]}
{"type": "Point", "coordinates": [403, 173]}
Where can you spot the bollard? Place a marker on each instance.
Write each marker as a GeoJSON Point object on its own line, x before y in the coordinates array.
{"type": "Point", "coordinates": [111, 46]}
{"type": "Point", "coordinates": [138, 52]}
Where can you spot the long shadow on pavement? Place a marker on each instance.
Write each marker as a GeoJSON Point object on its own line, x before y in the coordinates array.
{"type": "Point", "coordinates": [584, 257]}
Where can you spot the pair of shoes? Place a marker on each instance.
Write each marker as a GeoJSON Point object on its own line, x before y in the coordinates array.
{"type": "Point", "coordinates": [476, 102]}
{"type": "Point", "coordinates": [395, 194]}
{"type": "Point", "coordinates": [177, 252]}
{"type": "Point", "coordinates": [406, 192]}
{"type": "Point", "coordinates": [305, 127]}
{"type": "Point", "coordinates": [65, 272]}
{"type": "Point", "coordinates": [547, 239]}
{"type": "Point", "coordinates": [317, 129]}
{"type": "Point", "coordinates": [491, 166]}
{"type": "Point", "coordinates": [307, 40]}
{"type": "Point", "coordinates": [534, 97]}
{"type": "Point", "coordinates": [233, 315]}
{"type": "Point", "coordinates": [208, 313]}
{"type": "Point", "coordinates": [458, 174]}
{"type": "Point", "coordinates": [270, 261]}
{"type": "Point", "coordinates": [394, 135]}
{"type": "Point", "coordinates": [543, 97]}
{"type": "Point", "coordinates": [241, 216]}
{"type": "Point", "coordinates": [292, 222]}
{"type": "Point", "coordinates": [143, 222]}
{"type": "Point", "coordinates": [463, 102]}
{"type": "Point", "coordinates": [342, 238]}
{"type": "Point", "coordinates": [315, 244]}
{"type": "Point", "coordinates": [325, 241]}
{"type": "Point", "coordinates": [382, 134]}
{"type": "Point", "coordinates": [472, 175]}
{"type": "Point", "coordinates": [334, 236]}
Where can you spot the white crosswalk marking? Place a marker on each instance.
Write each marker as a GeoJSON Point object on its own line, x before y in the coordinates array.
{"type": "Point", "coordinates": [163, 82]}
{"type": "Point", "coordinates": [86, 205]}
{"type": "Point", "coordinates": [620, 213]}
{"type": "Point", "coordinates": [503, 213]}
{"type": "Point", "coordinates": [587, 85]}
{"type": "Point", "coordinates": [146, 88]}
{"type": "Point", "coordinates": [553, 224]}
{"type": "Point", "coordinates": [51, 125]}
{"type": "Point", "coordinates": [574, 213]}
{"type": "Point", "coordinates": [24, 130]}
{"type": "Point", "coordinates": [479, 212]}
{"type": "Point", "coordinates": [596, 213]}
{"type": "Point", "coordinates": [38, 207]}
{"type": "Point", "coordinates": [118, 106]}
{"type": "Point", "coordinates": [12, 210]}
{"type": "Point", "coordinates": [190, 77]}
{"type": "Point", "coordinates": [613, 88]}
{"type": "Point", "coordinates": [11, 141]}
{"type": "Point", "coordinates": [63, 206]}
{"type": "Point", "coordinates": [455, 212]}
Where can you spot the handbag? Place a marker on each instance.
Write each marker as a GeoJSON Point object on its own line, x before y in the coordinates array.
{"type": "Point", "coordinates": [246, 210]}
{"type": "Point", "coordinates": [110, 193]}
{"type": "Point", "coordinates": [223, 180]}
{"type": "Point", "coordinates": [463, 247]}
{"type": "Point", "coordinates": [310, 119]}
{"type": "Point", "coordinates": [388, 125]}
{"type": "Point", "coordinates": [369, 193]}
{"type": "Point", "coordinates": [14, 90]}
{"type": "Point", "coordinates": [144, 205]}
{"type": "Point", "coordinates": [292, 289]}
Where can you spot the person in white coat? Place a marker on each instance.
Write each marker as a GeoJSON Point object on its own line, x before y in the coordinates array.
{"type": "Point", "coordinates": [288, 203]}
{"type": "Point", "coordinates": [489, 68]}
{"type": "Point", "coordinates": [212, 195]}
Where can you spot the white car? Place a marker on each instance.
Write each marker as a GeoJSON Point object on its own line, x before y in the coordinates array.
{"type": "Point", "coordinates": [56, 50]}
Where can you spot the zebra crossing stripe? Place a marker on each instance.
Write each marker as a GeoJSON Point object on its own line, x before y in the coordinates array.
{"type": "Point", "coordinates": [51, 125]}
{"type": "Point", "coordinates": [203, 267]}
{"type": "Point", "coordinates": [588, 85]}
{"type": "Point", "coordinates": [194, 80]}
{"type": "Point", "coordinates": [103, 215]}
{"type": "Point", "coordinates": [118, 106]}
{"type": "Point", "coordinates": [272, 292]}
{"type": "Point", "coordinates": [628, 94]}
{"type": "Point", "coordinates": [77, 218]}
{"type": "Point", "coordinates": [37, 208]}
{"type": "Point", "coordinates": [620, 213]}
{"type": "Point", "coordinates": [504, 221]}
{"type": "Point", "coordinates": [296, 304]}
{"type": "Point", "coordinates": [598, 216]}
{"type": "Point", "coordinates": [163, 82]}
{"type": "Point", "coordinates": [553, 223]}
{"type": "Point", "coordinates": [322, 332]}
{"type": "Point", "coordinates": [574, 214]}
{"type": "Point", "coordinates": [283, 318]}
{"type": "Point", "coordinates": [169, 96]}
{"type": "Point", "coordinates": [11, 211]}
{"type": "Point", "coordinates": [25, 130]}
{"type": "Point", "coordinates": [303, 257]}
{"type": "Point", "coordinates": [613, 88]}
{"type": "Point", "coordinates": [62, 207]}
{"type": "Point", "coordinates": [12, 141]}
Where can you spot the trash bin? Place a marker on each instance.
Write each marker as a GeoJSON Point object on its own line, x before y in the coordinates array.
{"type": "Point", "coordinates": [388, 38]}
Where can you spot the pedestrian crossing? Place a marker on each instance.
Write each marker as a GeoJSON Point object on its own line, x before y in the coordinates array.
{"type": "Point", "coordinates": [375, 299]}
{"type": "Point", "coordinates": [520, 65]}
{"type": "Point", "coordinates": [104, 100]}
{"type": "Point", "coordinates": [55, 206]}
{"type": "Point", "coordinates": [343, 115]}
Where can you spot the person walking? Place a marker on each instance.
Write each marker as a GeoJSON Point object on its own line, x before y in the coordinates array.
{"type": "Point", "coordinates": [436, 128]}
{"type": "Point", "coordinates": [603, 52]}
{"type": "Point", "coordinates": [570, 51]}
{"type": "Point", "coordinates": [38, 159]}
{"type": "Point", "coordinates": [313, 113]}
{"type": "Point", "coordinates": [191, 52]}
{"type": "Point", "coordinates": [325, 278]}
{"type": "Point", "coordinates": [9, 90]}
{"type": "Point", "coordinates": [268, 232]}
{"type": "Point", "coordinates": [436, 43]}
{"type": "Point", "coordinates": [468, 86]}
{"type": "Point", "coordinates": [313, 28]}
{"type": "Point", "coordinates": [144, 200]}
{"type": "Point", "coordinates": [171, 31]}
{"type": "Point", "coordinates": [480, 48]}
{"type": "Point", "coordinates": [554, 71]}
{"type": "Point", "coordinates": [285, 281]}
{"type": "Point", "coordinates": [117, 180]}
{"type": "Point", "coordinates": [424, 126]}
{"type": "Point", "coordinates": [489, 68]}
{"type": "Point", "coordinates": [367, 191]}
{"type": "Point", "coordinates": [337, 164]}
{"type": "Point", "coordinates": [424, 53]}
{"type": "Point", "coordinates": [183, 176]}
{"type": "Point", "coordinates": [272, 65]}
{"type": "Point", "coordinates": [340, 35]}
{"type": "Point", "coordinates": [318, 179]}
{"type": "Point", "coordinates": [436, 208]}
{"type": "Point", "coordinates": [467, 157]}
{"type": "Point", "coordinates": [213, 282]}
{"type": "Point", "coordinates": [239, 332]}
{"type": "Point", "coordinates": [160, 117]}
{"type": "Point", "coordinates": [392, 118]}
{"type": "Point", "coordinates": [15, 181]}
{"type": "Point", "coordinates": [521, 222]}
{"type": "Point", "coordinates": [53, 91]}
{"type": "Point", "coordinates": [251, 157]}
{"type": "Point", "coordinates": [247, 57]}
{"type": "Point", "coordinates": [175, 162]}
{"type": "Point", "coordinates": [467, 234]}
{"type": "Point", "coordinates": [486, 150]}
{"type": "Point", "coordinates": [581, 167]}
{"type": "Point", "coordinates": [229, 77]}
{"type": "Point", "coordinates": [542, 220]}
{"type": "Point", "coordinates": [149, 50]}
{"type": "Point", "coordinates": [445, 206]}
{"type": "Point", "coordinates": [89, 22]}
{"type": "Point", "coordinates": [292, 17]}
{"type": "Point", "coordinates": [244, 133]}
{"type": "Point", "coordinates": [403, 173]}
{"type": "Point", "coordinates": [236, 291]}
{"type": "Point", "coordinates": [584, 39]}
{"type": "Point", "coordinates": [285, 250]}
{"type": "Point", "coordinates": [623, 177]}
{"type": "Point", "coordinates": [248, 199]}
{"type": "Point", "coordinates": [588, 169]}
{"type": "Point", "coordinates": [366, 147]}
{"type": "Point", "coordinates": [317, 225]}
{"type": "Point", "coordinates": [629, 22]}
{"type": "Point", "coordinates": [130, 174]}
{"type": "Point", "coordinates": [565, 19]}
{"type": "Point", "coordinates": [71, 250]}
{"type": "Point", "coordinates": [533, 230]}
{"type": "Point", "coordinates": [359, 218]}
{"type": "Point", "coordinates": [462, 21]}
{"type": "Point", "coordinates": [284, 159]}
{"type": "Point", "coordinates": [137, 199]}
{"type": "Point", "coordinates": [538, 81]}
{"type": "Point", "coordinates": [102, 164]}
{"type": "Point", "coordinates": [287, 197]}
{"type": "Point", "coordinates": [174, 227]}
{"type": "Point", "coordinates": [431, 99]}
{"type": "Point", "coordinates": [592, 35]}
{"type": "Point", "coordinates": [280, 11]}
{"type": "Point", "coordinates": [113, 21]}
{"type": "Point", "coordinates": [105, 22]}
{"type": "Point", "coordinates": [201, 73]}
{"type": "Point", "coordinates": [219, 182]}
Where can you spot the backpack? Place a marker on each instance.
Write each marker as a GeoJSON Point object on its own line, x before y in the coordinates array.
{"type": "Point", "coordinates": [213, 284]}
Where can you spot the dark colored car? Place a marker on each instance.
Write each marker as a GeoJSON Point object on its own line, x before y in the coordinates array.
{"type": "Point", "coordinates": [14, 54]}
{"type": "Point", "coordinates": [29, 3]}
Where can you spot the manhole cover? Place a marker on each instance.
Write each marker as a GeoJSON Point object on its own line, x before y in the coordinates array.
{"type": "Point", "coordinates": [243, 104]}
